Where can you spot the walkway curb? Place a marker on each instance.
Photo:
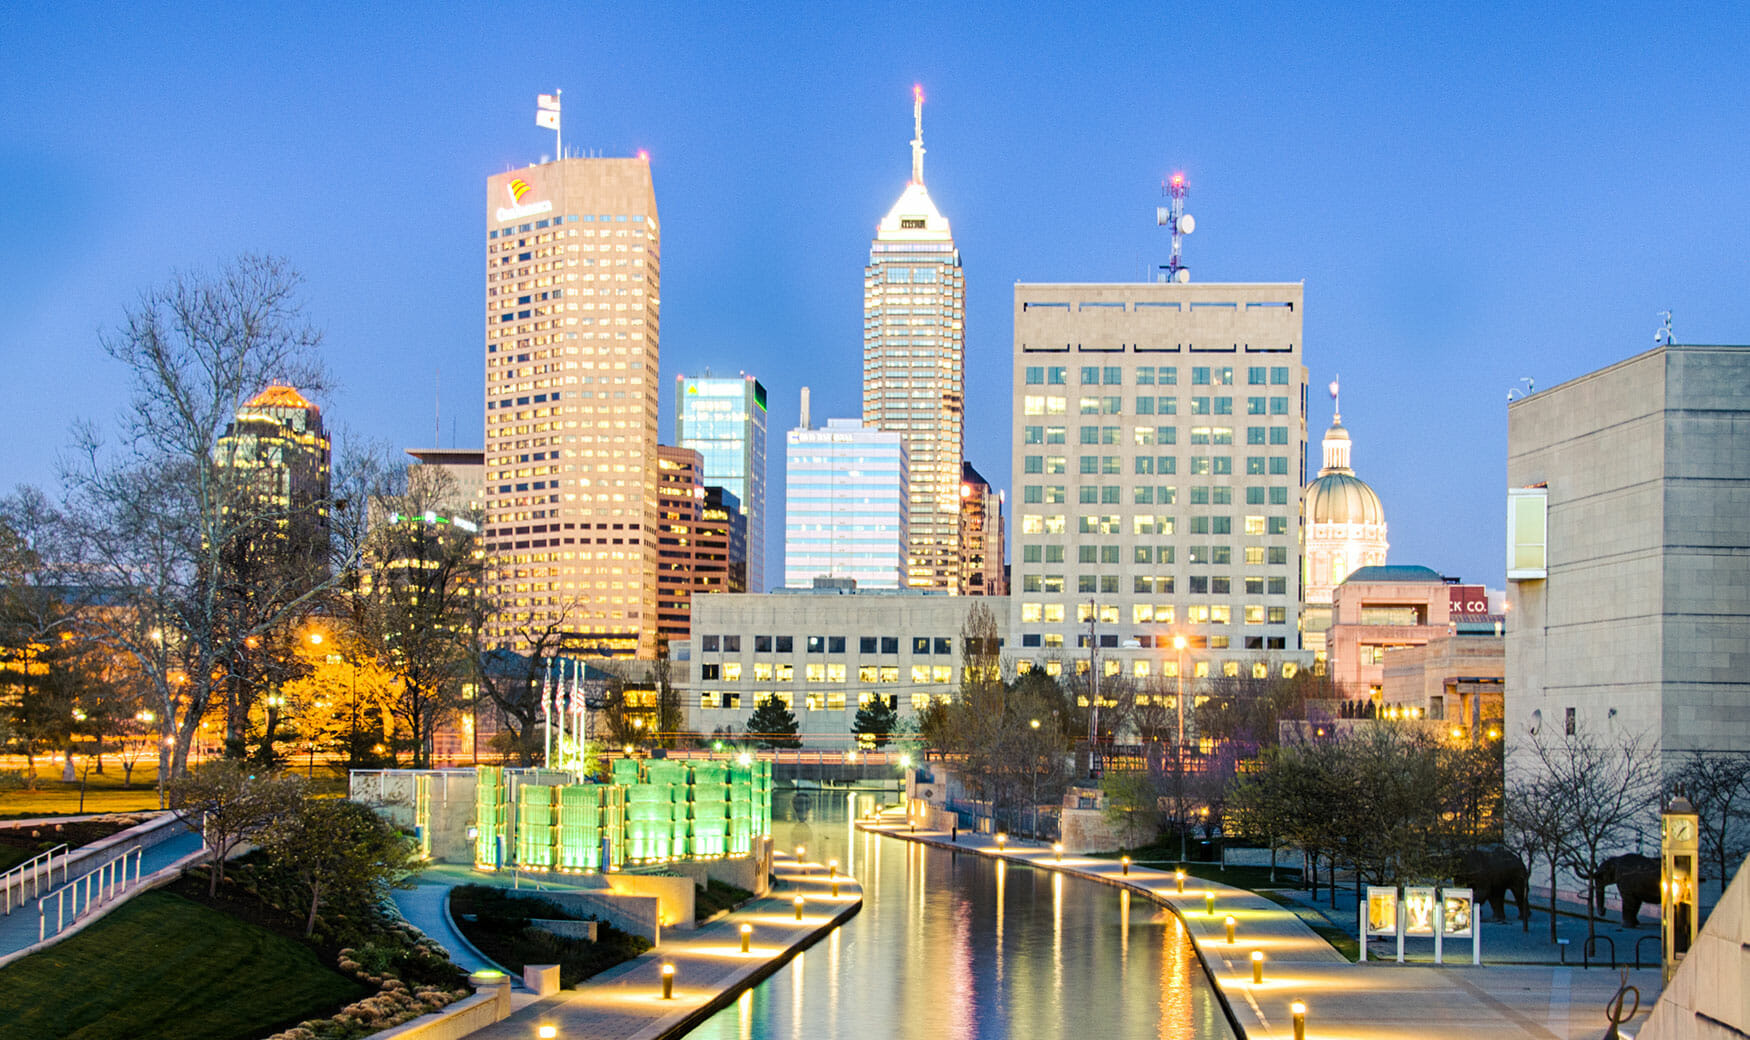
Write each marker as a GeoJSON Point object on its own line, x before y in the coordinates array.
{"type": "Point", "coordinates": [620, 1002]}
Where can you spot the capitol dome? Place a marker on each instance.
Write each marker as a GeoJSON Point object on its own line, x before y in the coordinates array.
{"type": "Point", "coordinates": [1344, 522]}
{"type": "Point", "coordinates": [1338, 496]}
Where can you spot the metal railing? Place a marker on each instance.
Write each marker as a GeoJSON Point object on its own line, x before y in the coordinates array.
{"type": "Point", "coordinates": [92, 888]}
{"type": "Point", "coordinates": [32, 873]}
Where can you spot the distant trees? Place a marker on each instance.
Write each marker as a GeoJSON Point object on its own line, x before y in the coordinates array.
{"type": "Point", "coordinates": [1386, 800]}
{"type": "Point", "coordinates": [1008, 740]}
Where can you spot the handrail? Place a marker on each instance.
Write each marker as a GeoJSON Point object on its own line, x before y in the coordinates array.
{"type": "Point", "coordinates": [99, 885]}
{"type": "Point", "coordinates": [31, 872]}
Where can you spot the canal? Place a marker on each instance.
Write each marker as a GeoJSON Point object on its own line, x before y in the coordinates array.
{"type": "Point", "coordinates": [956, 946]}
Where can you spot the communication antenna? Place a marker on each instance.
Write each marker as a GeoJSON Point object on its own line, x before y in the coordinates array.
{"type": "Point", "coordinates": [1663, 336]}
{"type": "Point", "coordinates": [1181, 223]}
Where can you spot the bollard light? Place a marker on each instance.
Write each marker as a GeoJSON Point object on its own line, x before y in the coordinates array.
{"type": "Point", "coordinates": [1002, 840]}
{"type": "Point", "coordinates": [746, 935]}
{"type": "Point", "coordinates": [1179, 876]}
{"type": "Point", "coordinates": [1298, 1010]}
{"type": "Point", "coordinates": [547, 1032]}
{"type": "Point", "coordinates": [800, 852]}
{"type": "Point", "coordinates": [1257, 967]}
{"type": "Point", "coordinates": [835, 888]}
{"type": "Point", "coordinates": [1230, 922]}
{"type": "Point", "coordinates": [832, 868]}
{"type": "Point", "coordinates": [798, 908]}
{"type": "Point", "coordinates": [1209, 903]}
{"type": "Point", "coordinates": [1124, 865]}
{"type": "Point", "coordinates": [668, 982]}
{"type": "Point", "coordinates": [1057, 847]}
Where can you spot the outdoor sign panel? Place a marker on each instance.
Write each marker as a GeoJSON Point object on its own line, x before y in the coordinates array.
{"type": "Point", "coordinates": [1382, 910]}
{"type": "Point", "coordinates": [1469, 599]}
{"type": "Point", "coordinates": [1419, 916]}
{"type": "Point", "coordinates": [1457, 912]}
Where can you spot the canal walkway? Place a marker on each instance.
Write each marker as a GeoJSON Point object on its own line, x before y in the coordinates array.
{"type": "Point", "coordinates": [1370, 1001]}
{"type": "Point", "coordinates": [626, 1002]}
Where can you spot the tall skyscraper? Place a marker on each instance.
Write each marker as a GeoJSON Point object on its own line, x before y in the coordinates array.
{"type": "Point", "coordinates": [914, 351]}
{"type": "Point", "coordinates": [573, 279]}
{"type": "Point", "coordinates": [845, 505]}
{"type": "Point", "coordinates": [1160, 446]}
{"type": "Point", "coordinates": [981, 536]}
{"type": "Point", "coordinates": [724, 420]}
{"type": "Point", "coordinates": [277, 456]}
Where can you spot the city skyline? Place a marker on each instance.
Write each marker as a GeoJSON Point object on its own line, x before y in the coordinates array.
{"type": "Point", "coordinates": [1462, 217]}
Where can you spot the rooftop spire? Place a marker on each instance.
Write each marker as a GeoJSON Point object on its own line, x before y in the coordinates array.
{"type": "Point", "coordinates": [917, 141]}
{"type": "Point", "coordinates": [1336, 406]}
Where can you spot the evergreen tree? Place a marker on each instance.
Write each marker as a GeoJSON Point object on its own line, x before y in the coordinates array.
{"type": "Point", "coordinates": [773, 725]}
{"type": "Point", "coordinates": [875, 722]}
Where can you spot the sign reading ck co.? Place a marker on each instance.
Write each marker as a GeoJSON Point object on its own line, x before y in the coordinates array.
{"type": "Point", "coordinates": [1469, 599]}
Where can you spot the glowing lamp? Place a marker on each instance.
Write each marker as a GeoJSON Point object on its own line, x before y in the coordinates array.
{"type": "Point", "coordinates": [747, 935]}
{"type": "Point", "coordinates": [798, 902]}
{"type": "Point", "coordinates": [1057, 847]}
{"type": "Point", "coordinates": [1257, 967]}
{"type": "Point", "coordinates": [1179, 879]}
{"type": "Point", "coordinates": [1298, 1010]}
{"type": "Point", "coordinates": [1230, 922]}
{"type": "Point", "coordinates": [668, 982]}
{"type": "Point", "coordinates": [1124, 865]}
{"type": "Point", "coordinates": [1002, 840]}
{"type": "Point", "coordinates": [1209, 903]}
{"type": "Point", "coordinates": [547, 1032]}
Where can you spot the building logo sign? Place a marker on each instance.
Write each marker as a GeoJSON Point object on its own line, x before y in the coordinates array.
{"type": "Point", "coordinates": [1469, 599]}
{"type": "Point", "coordinates": [516, 189]}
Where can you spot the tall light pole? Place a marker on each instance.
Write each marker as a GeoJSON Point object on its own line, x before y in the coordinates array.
{"type": "Point", "coordinates": [1179, 739]}
{"type": "Point", "coordinates": [1094, 689]}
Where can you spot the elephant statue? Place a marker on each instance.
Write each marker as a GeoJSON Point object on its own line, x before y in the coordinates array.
{"type": "Point", "coordinates": [1491, 872]}
{"type": "Point", "coordinates": [1636, 879]}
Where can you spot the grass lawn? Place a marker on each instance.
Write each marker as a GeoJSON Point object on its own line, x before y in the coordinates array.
{"type": "Point", "coordinates": [162, 965]}
{"type": "Point", "coordinates": [104, 792]}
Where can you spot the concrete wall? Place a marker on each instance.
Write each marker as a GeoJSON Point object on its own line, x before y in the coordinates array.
{"type": "Point", "coordinates": [458, 1020]}
{"type": "Point", "coordinates": [1707, 998]}
{"type": "Point", "coordinates": [1643, 623]}
{"type": "Point", "coordinates": [636, 914]}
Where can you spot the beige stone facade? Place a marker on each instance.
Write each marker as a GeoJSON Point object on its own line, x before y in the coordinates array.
{"type": "Point", "coordinates": [1640, 623]}
{"type": "Point", "coordinates": [1159, 453]}
{"type": "Point", "coordinates": [573, 280]}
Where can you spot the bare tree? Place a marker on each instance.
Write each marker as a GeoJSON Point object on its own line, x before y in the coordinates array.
{"type": "Point", "coordinates": [156, 513]}
{"type": "Point", "coordinates": [1717, 783]}
{"type": "Point", "coordinates": [1605, 789]}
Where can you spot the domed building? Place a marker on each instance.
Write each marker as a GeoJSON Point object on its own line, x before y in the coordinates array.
{"type": "Point", "coordinates": [1344, 526]}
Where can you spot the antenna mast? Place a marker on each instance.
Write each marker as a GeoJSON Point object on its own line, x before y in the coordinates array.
{"type": "Point", "coordinates": [917, 140]}
{"type": "Point", "coordinates": [1174, 217]}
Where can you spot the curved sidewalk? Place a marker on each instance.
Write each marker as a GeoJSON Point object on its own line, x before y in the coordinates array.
{"type": "Point", "coordinates": [625, 1003]}
{"type": "Point", "coordinates": [1343, 1000]}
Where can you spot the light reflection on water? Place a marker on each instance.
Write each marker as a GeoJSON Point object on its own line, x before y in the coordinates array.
{"type": "Point", "coordinates": [960, 947]}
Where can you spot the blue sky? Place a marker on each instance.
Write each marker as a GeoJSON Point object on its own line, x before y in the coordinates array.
{"type": "Point", "coordinates": [1472, 193]}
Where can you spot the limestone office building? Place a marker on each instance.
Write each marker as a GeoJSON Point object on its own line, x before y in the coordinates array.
{"type": "Point", "coordinates": [1628, 562]}
{"type": "Point", "coordinates": [1159, 456]}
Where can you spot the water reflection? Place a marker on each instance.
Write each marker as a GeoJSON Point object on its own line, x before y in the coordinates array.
{"type": "Point", "coordinates": [956, 946]}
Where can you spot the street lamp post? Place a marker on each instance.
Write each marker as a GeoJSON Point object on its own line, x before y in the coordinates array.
{"type": "Point", "coordinates": [1179, 738]}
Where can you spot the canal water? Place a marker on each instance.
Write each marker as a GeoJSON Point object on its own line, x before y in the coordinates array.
{"type": "Point", "coordinates": [956, 946]}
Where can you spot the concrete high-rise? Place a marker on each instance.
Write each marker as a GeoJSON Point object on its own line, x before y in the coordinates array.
{"type": "Point", "coordinates": [724, 420]}
{"type": "Point", "coordinates": [1159, 452]}
{"type": "Point", "coordinates": [845, 505]}
{"type": "Point", "coordinates": [1628, 567]}
{"type": "Point", "coordinates": [914, 350]}
{"type": "Point", "coordinates": [573, 280]}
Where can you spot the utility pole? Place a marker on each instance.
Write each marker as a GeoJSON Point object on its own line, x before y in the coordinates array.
{"type": "Point", "coordinates": [1094, 689]}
